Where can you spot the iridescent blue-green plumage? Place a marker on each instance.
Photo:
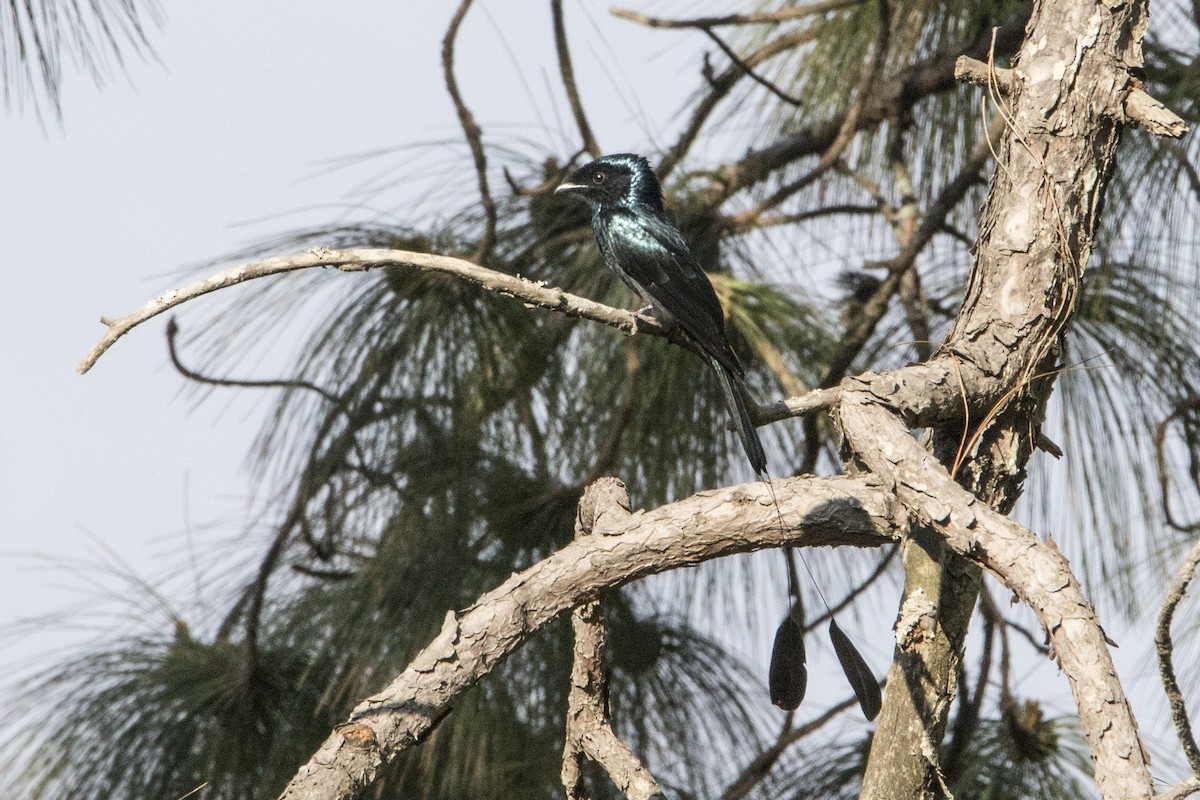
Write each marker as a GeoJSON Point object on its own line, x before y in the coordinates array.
{"type": "Point", "coordinates": [645, 248]}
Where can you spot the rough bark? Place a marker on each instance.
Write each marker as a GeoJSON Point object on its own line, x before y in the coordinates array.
{"type": "Point", "coordinates": [830, 511]}
{"type": "Point", "coordinates": [589, 731]}
{"type": "Point", "coordinates": [1067, 104]}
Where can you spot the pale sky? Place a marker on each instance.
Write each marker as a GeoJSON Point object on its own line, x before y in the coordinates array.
{"type": "Point", "coordinates": [225, 141]}
{"type": "Point", "coordinates": [153, 175]}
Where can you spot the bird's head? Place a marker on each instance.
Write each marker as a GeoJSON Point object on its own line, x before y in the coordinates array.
{"type": "Point", "coordinates": [623, 178]}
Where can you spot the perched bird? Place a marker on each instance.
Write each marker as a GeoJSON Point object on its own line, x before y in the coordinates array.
{"type": "Point", "coordinates": [645, 248]}
{"type": "Point", "coordinates": [642, 245]}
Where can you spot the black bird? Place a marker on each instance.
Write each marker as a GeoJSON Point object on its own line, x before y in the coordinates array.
{"type": "Point", "coordinates": [649, 253]}
{"type": "Point", "coordinates": [645, 248]}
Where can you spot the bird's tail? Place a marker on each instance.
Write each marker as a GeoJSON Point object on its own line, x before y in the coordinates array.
{"type": "Point", "coordinates": [735, 400]}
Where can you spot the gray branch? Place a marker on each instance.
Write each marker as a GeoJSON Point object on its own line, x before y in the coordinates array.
{"type": "Point", "coordinates": [589, 731]}
{"type": "Point", "coordinates": [737, 519]}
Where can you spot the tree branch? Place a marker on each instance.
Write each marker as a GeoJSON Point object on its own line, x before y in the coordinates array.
{"type": "Point", "coordinates": [762, 17]}
{"type": "Point", "coordinates": [363, 259]}
{"type": "Point", "coordinates": [827, 511]}
{"type": "Point", "coordinates": [589, 730]}
{"type": "Point", "coordinates": [473, 133]}
{"type": "Point", "coordinates": [750, 73]}
{"type": "Point", "coordinates": [1033, 569]}
{"type": "Point", "coordinates": [890, 99]}
{"type": "Point", "coordinates": [1166, 671]}
{"type": "Point", "coordinates": [568, 77]}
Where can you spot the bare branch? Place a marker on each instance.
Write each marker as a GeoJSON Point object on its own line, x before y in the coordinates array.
{"type": "Point", "coordinates": [472, 132]}
{"type": "Point", "coordinates": [722, 85]}
{"type": "Point", "coordinates": [362, 259]}
{"type": "Point", "coordinates": [568, 76]}
{"type": "Point", "coordinates": [761, 17]}
{"type": "Point", "coordinates": [750, 73]}
{"type": "Point", "coordinates": [589, 730]}
{"type": "Point", "coordinates": [827, 511]}
{"type": "Point", "coordinates": [760, 767]}
{"type": "Point", "coordinates": [1166, 670]}
{"type": "Point", "coordinates": [849, 124]}
{"type": "Point", "coordinates": [241, 383]}
{"type": "Point", "coordinates": [1035, 570]}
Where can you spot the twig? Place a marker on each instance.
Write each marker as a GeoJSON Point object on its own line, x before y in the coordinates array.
{"type": "Point", "coordinates": [472, 132]}
{"type": "Point", "coordinates": [750, 73]}
{"type": "Point", "coordinates": [1185, 406]}
{"type": "Point", "coordinates": [589, 731]}
{"type": "Point", "coordinates": [1139, 105]}
{"type": "Point", "coordinates": [849, 125]}
{"type": "Point", "coordinates": [842, 511]}
{"type": "Point", "coordinates": [241, 383]}
{"type": "Point", "coordinates": [799, 216]}
{"type": "Point", "coordinates": [568, 77]}
{"type": "Point", "coordinates": [1166, 670]}
{"type": "Point", "coordinates": [722, 85]}
{"type": "Point", "coordinates": [760, 767]}
{"type": "Point", "coordinates": [851, 596]}
{"type": "Point", "coordinates": [761, 17]}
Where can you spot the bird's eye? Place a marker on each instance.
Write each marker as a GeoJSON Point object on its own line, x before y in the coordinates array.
{"type": "Point", "coordinates": [597, 178]}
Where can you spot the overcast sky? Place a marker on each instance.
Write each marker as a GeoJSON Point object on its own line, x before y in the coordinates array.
{"type": "Point", "coordinates": [225, 142]}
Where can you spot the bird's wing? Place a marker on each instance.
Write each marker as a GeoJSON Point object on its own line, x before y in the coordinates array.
{"type": "Point", "coordinates": [652, 255]}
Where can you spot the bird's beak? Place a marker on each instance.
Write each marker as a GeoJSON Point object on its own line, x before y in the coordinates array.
{"type": "Point", "coordinates": [569, 187]}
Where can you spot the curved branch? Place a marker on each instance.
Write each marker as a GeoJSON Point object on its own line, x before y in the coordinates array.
{"type": "Point", "coordinates": [737, 519]}
{"type": "Point", "coordinates": [363, 259]}
{"type": "Point", "coordinates": [472, 132]}
{"type": "Point", "coordinates": [242, 383]}
{"type": "Point", "coordinates": [1035, 570]}
{"type": "Point", "coordinates": [1166, 671]}
{"type": "Point", "coordinates": [568, 77]}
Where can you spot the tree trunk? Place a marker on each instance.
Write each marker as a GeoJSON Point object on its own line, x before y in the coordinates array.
{"type": "Point", "coordinates": [1065, 109]}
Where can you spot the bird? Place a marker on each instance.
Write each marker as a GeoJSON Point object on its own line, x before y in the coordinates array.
{"type": "Point", "coordinates": [640, 243]}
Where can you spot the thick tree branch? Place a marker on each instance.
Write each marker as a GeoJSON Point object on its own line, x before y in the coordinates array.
{"type": "Point", "coordinates": [1033, 569]}
{"type": "Point", "coordinates": [826, 511]}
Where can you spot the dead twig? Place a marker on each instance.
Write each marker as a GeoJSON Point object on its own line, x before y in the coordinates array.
{"type": "Point", "coordinates": [567, 71]}
{"type": "Point", "coordinates": [761, 17]}
{"type": "Point", "coordinates": [473, 133]}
